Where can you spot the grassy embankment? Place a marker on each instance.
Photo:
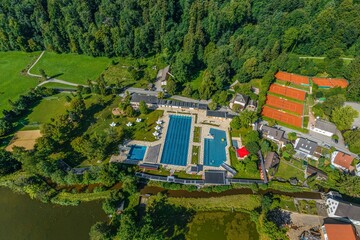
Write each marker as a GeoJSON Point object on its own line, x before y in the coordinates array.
{"type": "Point", "coordinates": [13, 81]}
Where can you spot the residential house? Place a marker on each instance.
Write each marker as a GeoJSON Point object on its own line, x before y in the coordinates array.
{"type": "Point", "coordinates": [337, 208]}
{"type": "Point", "coordinates": [342, 161]}
{"type": "Point", "coordinates": [252, 105]}
{"type": "Point", "coordinates": [272, 161]}
{"type": "Point", "coordinates": [313, 171]}
{"type": "Point", "coordinates": [306, 148]}
{"type": "Point", "coordinates": [273, 134]}
{"type": "Point", "coordinates": [324, 127]}
{"type": "Point", "coordinates": [239, 100]}
{"type": "Point", "coordinates": [163, 75]}
{"type": "Point", "coordinates": [334, 229]}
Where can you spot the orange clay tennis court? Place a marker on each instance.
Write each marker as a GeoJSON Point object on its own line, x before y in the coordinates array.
{"type": "Point", "coordinates": [293, 78]}
{"type": "Point", "coordinates": [330, 82]}
{"type": "Point", "coordinates": [288, 92]}
{"type": "Point", "coordinates": [282, 116]}
{"type": "Point", "coordinates": [285, 104]}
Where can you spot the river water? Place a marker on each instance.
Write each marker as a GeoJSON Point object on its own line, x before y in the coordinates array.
{"type": "Point", "coordinates": [24, 218]}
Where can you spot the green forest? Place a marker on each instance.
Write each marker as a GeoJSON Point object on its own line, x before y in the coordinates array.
{"type": "Point", "coordinates": [231, 40]}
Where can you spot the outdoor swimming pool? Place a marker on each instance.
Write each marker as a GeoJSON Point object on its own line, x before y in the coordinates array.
{"type": "Point", "coordinates": [137, 153]}
{"type": "Point", "coordinates": [214, 149]}
{"type": "Point", "coordinates": [177, 139]}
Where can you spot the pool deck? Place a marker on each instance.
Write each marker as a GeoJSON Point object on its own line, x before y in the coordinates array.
{"type": "Point", "coordinates": [200, 121]}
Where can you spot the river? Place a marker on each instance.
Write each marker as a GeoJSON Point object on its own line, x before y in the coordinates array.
{"type": "Point", "coordinates": [24, 218]}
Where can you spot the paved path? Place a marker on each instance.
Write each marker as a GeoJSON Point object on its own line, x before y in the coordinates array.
{"type": "Point", "coordinates": [142, 91]}
{"type": "Point", "coordinates": [37, 60]}
{"type": "Point", "coordinates": [186, 99]}
{"type": "Point", "coordinates": [320, 139]}
{"type": "Point", "coordinates": [49, 80]}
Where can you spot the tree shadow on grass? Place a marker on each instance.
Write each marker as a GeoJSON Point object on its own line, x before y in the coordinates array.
{"type": "Point", "coordinates": [56, 75]}
{"type": "Point", "coordinates": [170, 220]}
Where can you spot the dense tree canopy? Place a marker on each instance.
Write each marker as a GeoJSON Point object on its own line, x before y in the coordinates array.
{"type": "Point", "coordinates": [230, 38]}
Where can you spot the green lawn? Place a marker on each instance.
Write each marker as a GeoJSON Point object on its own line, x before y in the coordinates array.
{"type": "Point", "coordinates": [286, 171]}
{"type": "Point", "coordinates": [242, 172]}
{"type": "Point", "coordinates": [12, 82]}
{"type": "Point", "coordinates": [195, 155]}
{"type": "Point", "coordinates": [307, 207]}
{"type": "Point", "coordinates": [197, 134]}
{"type": "Point", "coordinates": [72, 67]}
{"type": "Point", "coordinates": [48, 108]}
{"type": "Point", "coordinates": [80, 68]}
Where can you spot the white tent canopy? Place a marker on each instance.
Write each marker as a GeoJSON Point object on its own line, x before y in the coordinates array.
{"type": "Point", "coordinates": [156, 133]}
{"type": "Point", "coordinates": [129, 124]}
{"type": "Point", "coordinates": [138, 120]}
{"type": "Point", "coordinates": [113, 124]}
{"type": "Point", "coordinates": [159, 122]}
{"type": "Point", "coordinates": [157, 127]}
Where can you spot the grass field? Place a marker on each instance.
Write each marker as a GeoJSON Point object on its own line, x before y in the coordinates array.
{"type": "Point", "coordinates": [71, 67]}
{"type": "Point", "coordinates": [12, 82]}
{"type": "Point", "coordinates": [287, 171]}
{"type": "Point", "coordinates": [80, 68]}
{"type": "Point", "coordinates": [48, 108]}
{"type": "Point", "coordinates": [197, 133]}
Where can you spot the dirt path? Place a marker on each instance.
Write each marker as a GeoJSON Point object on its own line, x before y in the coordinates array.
{"type": "Point", "coordinates": [302, 222]}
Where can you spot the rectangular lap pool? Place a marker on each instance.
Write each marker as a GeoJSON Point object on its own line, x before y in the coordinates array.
{"type": "Point", "coordinates": [214, 149]}
{"type": "Point", "coordinates": [177, 139]}
{"type": "Point", "coordinates": [137, 153]}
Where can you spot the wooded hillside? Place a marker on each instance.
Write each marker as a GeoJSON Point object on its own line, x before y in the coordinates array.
{"type": "Point", "coordinates": [229, 38]}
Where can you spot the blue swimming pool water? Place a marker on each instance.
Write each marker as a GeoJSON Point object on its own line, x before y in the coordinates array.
{"type": "Point", "coordinates": [177, 139]}
{"type": "Point", "coordinates": [214, 152]}
{"type": "Point", "coordinates": [137, 152]}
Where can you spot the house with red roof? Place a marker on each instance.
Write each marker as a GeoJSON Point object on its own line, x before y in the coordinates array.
{"type": "Point", "coordinates": [340, 230]}
{"type": "Point", "coordinates": [342, 161]}
{"type": "Point", "coordinates": [242, 152]}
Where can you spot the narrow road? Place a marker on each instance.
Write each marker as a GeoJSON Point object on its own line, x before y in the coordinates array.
{"type": "Point", "coordinates": [37, 60]}
{"type": "Point", "coordinates": [186, 99]}
{"type": "Point", "coordinates": [50, 80]}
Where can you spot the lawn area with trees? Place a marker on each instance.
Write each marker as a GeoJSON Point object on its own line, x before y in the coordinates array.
{"type": "Point", "coordinates": [71, 67]}
{"type": "Point", "coordinates": [13, 81]}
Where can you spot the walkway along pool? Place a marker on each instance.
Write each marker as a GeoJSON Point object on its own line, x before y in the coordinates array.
{"type": "Point", "coordinates": [214, 149]}
{"type": "Point", "coordinates": [177, 140]}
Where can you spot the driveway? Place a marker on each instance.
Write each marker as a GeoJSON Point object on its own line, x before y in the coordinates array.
{"type": "Point", "coordinates": [320, 139]}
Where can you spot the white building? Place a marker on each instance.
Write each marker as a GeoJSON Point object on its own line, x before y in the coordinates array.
{"type": "Point", "coordinates": [337, 208]}
{"type": "Point", "coordinates": [324, 127]}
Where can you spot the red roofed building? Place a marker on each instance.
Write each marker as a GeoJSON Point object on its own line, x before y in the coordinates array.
{"type": "Point", "coordinates": [242, 152]}
{"type": "Point", "coordinates": [340, 231]}
{"type": "Point", "coordinates": [293, 78]}
{"type": "Point", "coordinates": [342, 161]}
{"type": "Point", "coordinates": [330, 82]}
